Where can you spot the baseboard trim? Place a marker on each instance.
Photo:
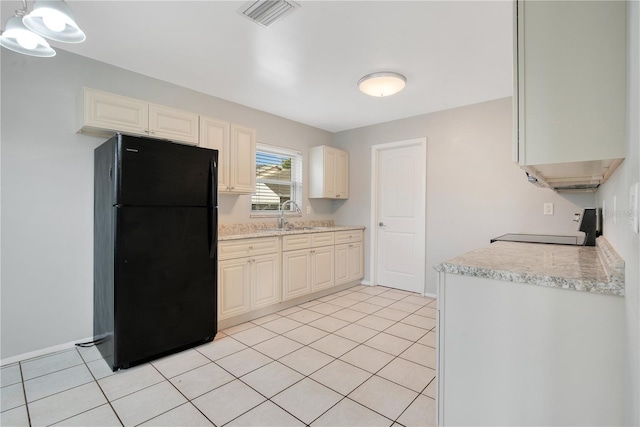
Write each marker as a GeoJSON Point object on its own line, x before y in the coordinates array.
{"type": "Point", "coordinates": [42, 352]}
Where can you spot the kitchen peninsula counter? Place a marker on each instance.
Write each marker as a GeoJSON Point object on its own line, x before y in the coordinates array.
{"type": "Point", "coordinates": [514, 336]}
{"type": "Point", "coordinates": [596, 269]}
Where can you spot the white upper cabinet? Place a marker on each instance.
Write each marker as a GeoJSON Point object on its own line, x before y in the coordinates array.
{"type": "Point", "coordinates": [243, 159]}
{"type": "Point", "coordinates": [102, 113]}
{"type": "Point", "coordinates": [176, 125]}
{"type": "Point", "coordinates": [328, 173]}
{"type": "Point", "coordinates": [237, 154]}
{"type": "Point", "coordinates": [570, 90]}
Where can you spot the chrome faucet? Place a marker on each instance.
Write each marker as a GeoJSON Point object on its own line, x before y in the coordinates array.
{"type": "Point", "coordinates": [282, 221]}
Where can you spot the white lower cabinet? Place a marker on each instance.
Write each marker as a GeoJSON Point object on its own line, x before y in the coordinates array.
{"type": "Point", "coordinates": [248, 278]}
{"type": "Point", "coordinates": [349, 262]}
{"type": "Point", "coordinates": [296, 274]}
{"type": "Point", "coordinates": [349, 257]}
{"type": "Point", "coordinates": [255, 273]}
{"type": "Point", "coordinates": [310, 269]}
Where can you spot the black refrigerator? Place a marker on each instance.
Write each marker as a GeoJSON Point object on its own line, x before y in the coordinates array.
{"type": "Point", "coordinates": [155, 248]}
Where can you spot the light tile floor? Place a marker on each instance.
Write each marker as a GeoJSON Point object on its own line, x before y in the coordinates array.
{"type": "Point", "coordinates": [360, 357]}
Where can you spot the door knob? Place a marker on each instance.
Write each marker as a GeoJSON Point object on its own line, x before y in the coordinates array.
{"type": "Point", "coordinates": [381, 224]}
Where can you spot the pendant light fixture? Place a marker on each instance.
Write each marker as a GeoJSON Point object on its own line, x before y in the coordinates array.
{"type": "Point", "coordinates": [19, 38]}
{"type": "Point", "coordinates": [382, 84]}
{"type": "Point", "coordinates": [53, 19]}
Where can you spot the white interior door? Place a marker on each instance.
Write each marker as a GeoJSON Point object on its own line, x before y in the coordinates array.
{"type": "Point", "coordinates": [400, 196]}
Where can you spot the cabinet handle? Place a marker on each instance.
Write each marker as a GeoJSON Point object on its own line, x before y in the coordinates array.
{"type": "Point", "coordinates": [337, 195]}
{"type": "Point", "coordinates": [250, 247]}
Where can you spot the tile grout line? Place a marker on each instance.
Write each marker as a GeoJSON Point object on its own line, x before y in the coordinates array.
{"type": "Point", "coordinates": [24, 394]}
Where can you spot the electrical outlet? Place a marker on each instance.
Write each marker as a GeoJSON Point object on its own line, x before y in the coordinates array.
{"type": "Point", "coordinates": [633, 207]}
{"type": "Point", "coordinates": [548, 209]}
{"type": "Point", "coordinates": [308, 209]}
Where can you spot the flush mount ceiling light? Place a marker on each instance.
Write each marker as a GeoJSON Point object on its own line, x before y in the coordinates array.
{"type": "Point", "coordinates": [50, 18]}
{"type": "Point", "coordinates": [382, 84]}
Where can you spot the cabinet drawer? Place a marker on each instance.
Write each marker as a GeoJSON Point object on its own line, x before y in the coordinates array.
{"type": "Point", "coordinates": [296, 241]}
{"type": "Point", "coordinates": [322, 239]}
{"type": "Point", "coordinates": [349, 236]}
{"type": "Point", "coordinates": [230, 249]}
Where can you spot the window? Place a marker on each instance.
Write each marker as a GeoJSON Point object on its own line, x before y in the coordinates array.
{"type": "Point", "coordinates": [278, 179]}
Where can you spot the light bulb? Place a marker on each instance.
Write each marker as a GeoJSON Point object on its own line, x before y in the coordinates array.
{"type": "Point", "coordinates": [27, 40]}
{"type": "Point", "coordinates": [54, 22]}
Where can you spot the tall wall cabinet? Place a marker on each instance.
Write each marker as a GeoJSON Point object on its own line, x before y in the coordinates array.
{"type": "Point", "coordinates": [237, 154]}
{"type": "Point", "coordinates": [328, 173]}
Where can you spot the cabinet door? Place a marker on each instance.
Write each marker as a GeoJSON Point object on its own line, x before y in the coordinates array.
{"type": "Point", "coordinates": [176, 125]}
{"type": "Point", "coordinates": [233, 287]}
{"type": "Point", "coordinates": [329, 171]}
{"type": "Point", "coordinates": [322, 267]}
{"type": "Point", "coordinates": [115, 113]}
{"type": "Point", "coordinates": [265, 280]}
{"type": "Point", "coordinates": [296, 274]}
{"type": "Point", "coordinates": [215, 134]}
{"type": "Point", "coordinates": [571, 81]}
{"type": "Point", "coordinates": [342, 264]}
{"type": "Point", "coordinates": [356, 261]}
{"type": "Point", "coordinates": [242, 160]}
{"type": "Point", "coordinates": [341, 174]}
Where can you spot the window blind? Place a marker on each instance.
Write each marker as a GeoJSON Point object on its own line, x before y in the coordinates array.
{"type": "Point", "coordinates": [278, 178]}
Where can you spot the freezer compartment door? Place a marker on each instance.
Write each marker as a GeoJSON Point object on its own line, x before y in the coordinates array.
{"type": "Point", "coordinates": [165, 287]}
{"type": "Point", "coordinates": [161, 173]}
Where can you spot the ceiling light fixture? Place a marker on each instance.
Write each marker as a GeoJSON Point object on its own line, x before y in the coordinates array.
{"type": "Point", "coordinates": [19, 38]}
{"type": "Point", "coordinates": [54, 20]}
{"type": "Point", "coordinates": [50, 18]}
{"type": "Point", "coordinates": [382, 84]}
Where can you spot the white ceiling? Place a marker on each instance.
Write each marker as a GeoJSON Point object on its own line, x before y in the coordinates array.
{"type": "Point", "coordinates": [306, 66]}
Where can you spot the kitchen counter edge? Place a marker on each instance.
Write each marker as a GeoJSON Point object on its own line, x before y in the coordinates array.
{"type": "Point", "coordinates": [271, 233]}
{"type": "Point", "coordinates": [610, 262]}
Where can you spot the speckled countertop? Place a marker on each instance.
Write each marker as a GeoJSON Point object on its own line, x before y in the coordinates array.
{"type": "Point", "coordinates": [253, 230]}
{"type": "Point", "coordinates": [591, 269]}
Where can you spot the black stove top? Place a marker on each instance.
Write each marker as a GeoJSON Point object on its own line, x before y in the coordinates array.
{"type": "Point", "coordinates": [539, 238]}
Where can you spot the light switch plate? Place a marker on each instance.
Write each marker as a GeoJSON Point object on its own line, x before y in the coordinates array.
{"type": "Point", "coordinates": [548, 209]}
{"type": "Point", "coordinates": [308, 209]}
{"type": "Point", "coordinates": [633, 207]}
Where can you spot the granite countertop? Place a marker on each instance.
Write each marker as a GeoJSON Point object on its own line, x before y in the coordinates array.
{"type": "Point", "coordinates": [596, 269]}
{"type": "Point", "coordinates": [253, 230]}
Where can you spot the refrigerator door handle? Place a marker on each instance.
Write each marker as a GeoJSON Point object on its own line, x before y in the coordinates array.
{"type": "Point", "coordinates": [213, 229]}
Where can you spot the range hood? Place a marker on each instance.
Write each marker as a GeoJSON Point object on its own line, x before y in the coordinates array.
{"type": "Point", "coordinates": [574, 177]}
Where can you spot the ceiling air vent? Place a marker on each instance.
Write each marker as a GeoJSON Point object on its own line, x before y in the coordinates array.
{"type": "Point", "coordinates": [267, 12]}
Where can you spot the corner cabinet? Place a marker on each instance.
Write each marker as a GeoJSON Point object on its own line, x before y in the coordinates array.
{"type": "Point", "coordinates": [570, 90]}
{"type": "Point", "coordinates": [237, 154]}
{"type": "Point", "coordinates": [328, 173]}
{"type": "Point", "coordinates": [248, 275]}
{"type": "Point", "coordinates": [102, 114]}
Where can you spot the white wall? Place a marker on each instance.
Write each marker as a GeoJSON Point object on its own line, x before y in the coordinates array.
{"type": "Point", "coordinates": [619, 232]}
{"type": "Point", "coordinates": [474, 190]}
{"type": "Point", "coordinates": [47, 188]}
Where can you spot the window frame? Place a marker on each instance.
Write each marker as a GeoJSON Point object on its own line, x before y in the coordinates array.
{"type": "Point", "coordinates": [296, 180]}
